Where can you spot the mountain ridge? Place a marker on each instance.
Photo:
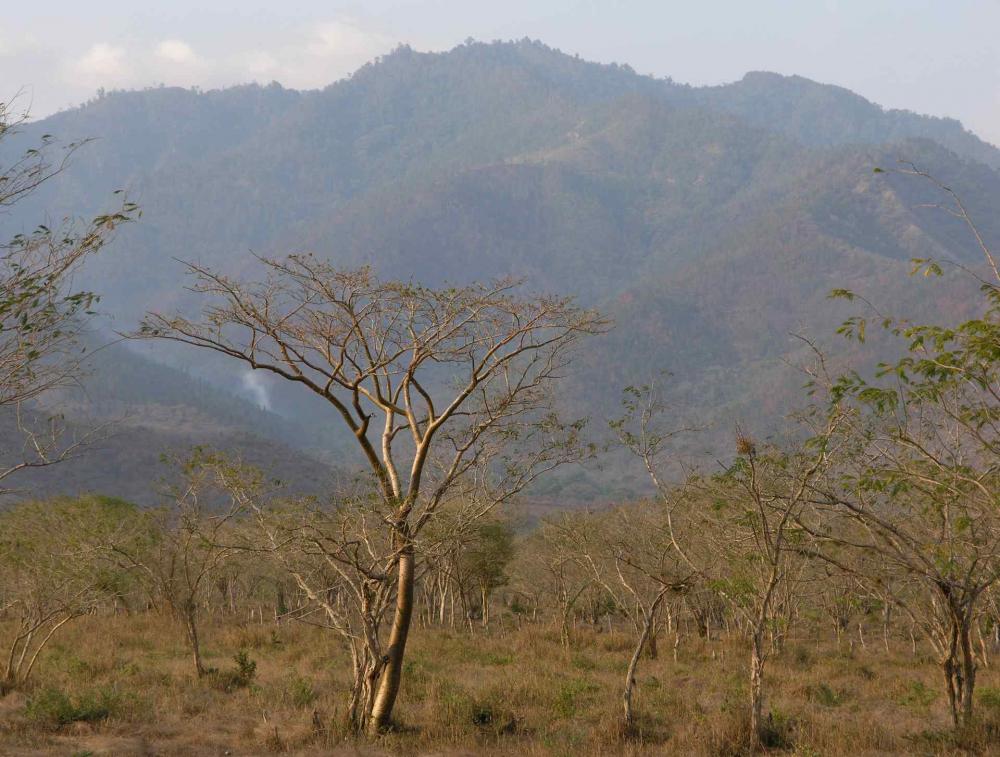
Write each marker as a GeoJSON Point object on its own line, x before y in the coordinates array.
{"type": "Point", "coordinates": [709, 222]}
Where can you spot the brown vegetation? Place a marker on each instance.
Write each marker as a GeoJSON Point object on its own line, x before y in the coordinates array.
{"type": "Point", "coordinates": [511, 691]}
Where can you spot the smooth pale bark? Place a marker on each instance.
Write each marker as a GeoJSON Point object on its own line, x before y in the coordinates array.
{"type": "Point", "coordinates": [756, 688]}
{"type": "Point", "coordinates": [388, 688]}
{"type": "Point", "coordinates": [647, 625]}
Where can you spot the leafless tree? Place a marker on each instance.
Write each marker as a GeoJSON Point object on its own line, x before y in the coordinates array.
{"type": "Point", "coordinates": [178, 549]}
{"type": "Point", "coordinates": [628, 552]}
{"type": "Point", "coordinates": [51, 571]}
{"type": "Point", "coordinates": [436, 386]}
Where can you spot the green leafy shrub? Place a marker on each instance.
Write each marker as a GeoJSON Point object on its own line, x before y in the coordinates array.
{"type": "Point", "coordinates": [301, 692]}
{"type": "Point", "coordinates": [918, 695]}
{"type": "Point", "coordinates": [55, 708]}
{"type": "Point", "coordinates": [241, 677]}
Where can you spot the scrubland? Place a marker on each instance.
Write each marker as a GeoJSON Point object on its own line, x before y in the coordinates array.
{"type": "Point", "coordinates": [124, 685]}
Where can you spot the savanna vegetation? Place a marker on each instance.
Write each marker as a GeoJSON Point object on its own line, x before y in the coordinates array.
{"type": "Point", "coordinates": [829, 590]}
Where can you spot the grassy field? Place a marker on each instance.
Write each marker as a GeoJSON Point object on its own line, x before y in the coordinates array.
{"type": "Point", "coordinates": [124, 686]}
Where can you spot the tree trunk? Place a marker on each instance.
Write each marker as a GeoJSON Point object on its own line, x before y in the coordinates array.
{"type": "Point", "coordinates": [959, 666]}
{"type": "Point", "coordinates": [648, 620]}
{"type": "Point", "coordinates": [968, 668]}
{"type": "Point", "coordinates": [756, 688]}
{"type": "Point", "coordinates": [192, 634]}
{"type": "Point", "coordinates": [392, 673]}
{"type": "Point", "coordinates": [485, 599]}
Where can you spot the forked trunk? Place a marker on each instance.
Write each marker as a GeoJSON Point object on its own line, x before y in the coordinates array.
{"type": "Point", "coordinates": [648, 621]}
{"type": "Point", "coordinates": [960, 670]}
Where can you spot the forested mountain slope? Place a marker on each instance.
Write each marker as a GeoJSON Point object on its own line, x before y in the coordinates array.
{"type": "Point", "coordinates": [710, 223]}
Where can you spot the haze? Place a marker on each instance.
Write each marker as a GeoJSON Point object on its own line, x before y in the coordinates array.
{"type": "Point", "coordinates": [932, 57]}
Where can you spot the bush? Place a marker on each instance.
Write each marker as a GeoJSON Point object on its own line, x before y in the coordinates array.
{"type": "Point", "coordinates": [918, 695]}
{"type": "Point", "coordinates": [55, 708]}
{"type": "Point", "coordinates": [241, 677]}
{"type": "Point", "coordinates": [989, 697]}
{"type": "Point", "coordinates": [301, 692]}
{"type": "Point", "coordinates": [824, 694]}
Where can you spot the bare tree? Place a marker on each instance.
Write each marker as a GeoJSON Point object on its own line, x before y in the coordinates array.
{"type": "Point", "coordinates": [738, 531]}
{"type": "Point", "coordinates": [752, 532]}
{"type": "Point", "coordinates": [548, 562]}
{"type": "Point", "coordinates": [629, 553]}
{"type": "Point", "coordinates": [177, 550]}
{"type": "Point", "coordinates": [436, 386]}
{"type": "Point", "coordinates": [339, 556]}
{"type": "Point", "coordinates": [51, 571]}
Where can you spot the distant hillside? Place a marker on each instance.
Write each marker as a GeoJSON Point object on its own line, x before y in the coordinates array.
{"type": "Point", "coordinates": [822, 114]}
{"type": "Point", "coordinates": [136, 412]}
{"type": "Point", "coordinates": [709, 222]}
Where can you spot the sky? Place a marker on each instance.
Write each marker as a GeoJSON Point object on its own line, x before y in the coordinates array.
{"type": "Point", "coordinates": [939, 57]}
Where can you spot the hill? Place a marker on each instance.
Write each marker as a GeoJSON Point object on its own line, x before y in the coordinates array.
{"type": "Point", "coordinates": [709, 222]}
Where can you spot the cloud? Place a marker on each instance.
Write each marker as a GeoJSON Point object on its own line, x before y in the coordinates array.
{"type": "Point", "coordinates": [260, 63]}
{"type": "Point", "coordinates": [176, 51]}
{"type": "Point", "coordinates": [101, 61]}
{"type": "Point", "coordinates": [317, 55]}
{"type": "Point", "coordinates": [345, 39]}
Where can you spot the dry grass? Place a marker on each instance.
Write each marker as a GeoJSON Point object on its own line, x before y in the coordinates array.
{"type": "Point", "coordinates": [124, 686]}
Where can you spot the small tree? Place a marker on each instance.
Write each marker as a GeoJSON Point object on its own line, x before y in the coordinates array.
{"type": "Point", "coordinates": [484, 560]}
{"type": "Point", "coordinates": [340, 558]}
{"type": "Point", "coordinates": [548, 561]}
{"type": "Point", "coordinates": [737, 532]}
{"type": "Point", "coordinates": [179, 548]}
{"type": "Point", "coordinates": [40, 313]}
{"type": "Point", "coordinates": [748, 521]}
{"type": "Point", "coordinates": [918, 446]}
{"type": "Point", "coordinates": [437, 387]}
{"type": "Point", "coordinates": [51, 570]}
{"type": "Point", "coordinates": [628, 552]}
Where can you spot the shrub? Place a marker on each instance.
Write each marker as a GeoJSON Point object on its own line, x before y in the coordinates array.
{"type": "Point", "coordinates": [301, 692]}
{"type": "Point", "coordinates": [55, 708]}
{"type": "Point", "coordinates": [989, 697]}
{"type": "Point", "coordinates": [918, 695]}
{"type": "Point", "coordinates": [241, 677]}
{"type": "Point", "coordinates": [824, 694]}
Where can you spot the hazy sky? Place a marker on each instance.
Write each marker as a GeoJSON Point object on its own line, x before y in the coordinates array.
{"type": "Point", "coordinates": [933, 56]}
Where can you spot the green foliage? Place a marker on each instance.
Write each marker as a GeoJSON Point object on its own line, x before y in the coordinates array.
{"type": "Point", "coordinates": [300, 690]}
{"type": "Point", "coordinates": [54, 708]}
{"type": "Point", "coordinates": [486, 557]}
{"type": "Point", "coordinates": [918, 694]}
{"type": "Point", "coordinates": [239, 677]}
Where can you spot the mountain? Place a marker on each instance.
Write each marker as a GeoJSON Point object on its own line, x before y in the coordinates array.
{"type": "Point", "coordinates": [140, 418]}
{"type": "Point", "coordinates": [710, 223]}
